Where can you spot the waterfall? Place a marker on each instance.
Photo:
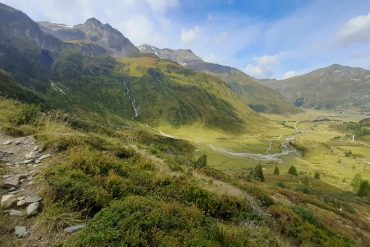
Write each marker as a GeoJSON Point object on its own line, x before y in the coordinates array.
{"type": "Point", "coordinates": [132, 101]}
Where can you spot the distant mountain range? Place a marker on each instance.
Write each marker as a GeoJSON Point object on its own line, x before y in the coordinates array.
{"type": "Point", "coordinates": [333, 87]}
{"type": "Point", "coordinates": [257, 97]}
{"type": "Point", "coordinates": [93, 67]}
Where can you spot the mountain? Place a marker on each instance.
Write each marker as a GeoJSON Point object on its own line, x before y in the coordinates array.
{"type": "Point", "coordinates": [257, 97]}
{"type": "Point", "coordinates": [93, 31]}
{"type": "Point", "coordinates": [333, 87]}
{"type": "Point", "coordinates": [25, 50]}
{"type": "Point", "coordinates": [95, 75]}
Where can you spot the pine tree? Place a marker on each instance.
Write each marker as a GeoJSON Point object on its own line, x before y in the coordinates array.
{"type": "Point", "coordinates": [356, 182]}
{"type": "Point", "coordinates": [277, 171]}
{"type": "Point", "coordinates": [201, 162]}
{"type": "Point", "coordinates": [293, 171]}
{"type": "Point", "coordinates": [317, 175]}
{"type": "Point", "coordinates": [259, 173]}
{"type": "Point", "coordinates": [364, 189]}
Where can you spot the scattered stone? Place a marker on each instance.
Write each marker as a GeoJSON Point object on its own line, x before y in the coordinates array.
{"type": "Point", "coordinates": [17, 142]}
{"type": "Point", "coordinates": [20, 198]}
{"type": "Point", "coordinates": [12, 189]}
{"type": "Point", "coordinates": [11, 182]}
{"type": "Point", "coordinates": [31, 155]}
{"type": "Point", "coordinates": [32, 199]}
{"type": "Point", "coordinates": [33, 208]}
{"type": "Point", "coordinates": [7, 142]}
{"type": "Point", "coordinates": [21, 203]}
{"type": "Point", "coordinates": [72, 229]}
{"type": "Point", "coordinates": [25, 162]}
{"type": "Point", "coordinates": [29, 165]}
{"type": "Point", "coordinates": [9, 164]}
{"type": "Point", "coordinates": [8, 201]}
{"type": "Point", "coordinates": [17, 213]}
{"type": "Point", "coordinates": [20, 231]}
{"type": "Point", "coordinates": [36, 148]}
{"type": "Point", "coordinates": [6, 176]}
{"type": "Point", "coordinates": [42, 157]}
{"type": "Point", "coordinates": [14, 192]}
{"type": "Point", "coordinates": [37, 161]}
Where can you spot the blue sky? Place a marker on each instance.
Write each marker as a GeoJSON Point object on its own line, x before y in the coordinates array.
{"type": "Point", "coordinates": [264, 38]}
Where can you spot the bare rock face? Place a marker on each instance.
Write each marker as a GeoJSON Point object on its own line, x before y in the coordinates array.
{"type": "Point", "coordinates": [93, 32]}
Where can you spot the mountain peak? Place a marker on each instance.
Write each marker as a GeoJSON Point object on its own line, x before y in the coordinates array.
{"type": "Point", "coordinates": [93, 21]}
{"type": "Point", "coordinates": [181, 56]}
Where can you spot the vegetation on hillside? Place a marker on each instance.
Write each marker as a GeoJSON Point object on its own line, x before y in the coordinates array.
{"type": "Point", "coordinates": [134, 188]}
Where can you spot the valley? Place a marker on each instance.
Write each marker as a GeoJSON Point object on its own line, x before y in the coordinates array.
{"type": "Point", "coordinates": [107, 143]}
{"type": "Point", "coordinates": [321, 147]}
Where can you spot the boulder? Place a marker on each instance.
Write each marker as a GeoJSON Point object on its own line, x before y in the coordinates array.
{"type": "Point", "coordinates": [72, 229]}
{"type": "Point", "coordinates": [7, 142]}
{"type": "Point", "coordinates": [17, 213]}
{"type": "Point", "coordinates": [31, 155]}
{"type": "Point", "coordinates": [8, 201]}
{"type": "Point", "coordinates": [21, 203]}
{"type": "Point", "coordinates": [11, 182]}
{"type": "Point", "coordinates": [33, 209]}
{"type": "Point", "coordinates": [42, 157]}
{"type": "Point", "coordinates": [25, 162]}
{"type": "Point", "coordinates": [32, 199]}
{"type": "Point", "coordinates": [20, 231]}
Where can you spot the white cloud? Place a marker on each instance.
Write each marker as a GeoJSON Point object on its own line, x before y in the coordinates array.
{"type": "Point", "coordinates": [355, 30]}
{"type": "Point", "coordinates": [221, 38]}
{"type": "Point", "coordinates": [162, 6]}
{"type": "Point", "coordinates": [189, 36]}
{"type": "Point", "coordinates": [289, 74]}
{"type": "Point", "coordinates": [264, 66]}
{"type": "Point", "coordinates": [139, 28]}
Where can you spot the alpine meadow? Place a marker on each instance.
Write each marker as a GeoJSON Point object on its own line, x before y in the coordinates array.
{"type": "Point", "coordinates": [230, 135]}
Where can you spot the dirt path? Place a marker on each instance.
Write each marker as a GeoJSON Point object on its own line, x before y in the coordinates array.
{"type": "Point", "coordinates": [20, 161]}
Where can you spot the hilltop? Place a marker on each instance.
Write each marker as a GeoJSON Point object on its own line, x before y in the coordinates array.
{"type": "Point", "coordinates": [333, 87]}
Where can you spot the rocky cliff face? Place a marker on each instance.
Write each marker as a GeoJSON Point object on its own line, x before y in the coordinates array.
{"type": "Point", "coordinates": [181, 56]}
{"type": "Point", "coordinates": [93, 31]}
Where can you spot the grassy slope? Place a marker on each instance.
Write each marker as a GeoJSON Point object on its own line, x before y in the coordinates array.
{"type": "Point", "coordinates": [257, 97]}
{"type": "Point", "coordinates": [163, 92]}
{"type": "Point", "coordinates": [146, 185]}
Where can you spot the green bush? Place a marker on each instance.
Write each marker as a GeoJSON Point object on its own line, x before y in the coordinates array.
{"type": "Point", "coordinates": [276, 170]}
{"type": "Point", "coordinates": [293, 171]}
{"type": "Point", "coordinates": [201, 162]}
{"type": "Point", "coordinates": [145, 221]}
{"type": "Point", "coordinates": [364, 189]}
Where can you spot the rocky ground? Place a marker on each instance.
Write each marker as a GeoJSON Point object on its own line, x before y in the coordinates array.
{"type": "Point", "coordinates": [20, 161]}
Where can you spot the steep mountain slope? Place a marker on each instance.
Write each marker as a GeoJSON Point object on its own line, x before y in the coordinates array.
{"type": "Point", "coordinates": [93, 31]}
{"type": "Point", "coordinates": [333, 87]}
{"type": "Point", "coordinates": [257, 97]}
{"type": "Point", "coordinates": [25, 51]}
{"type": "Point", "coordinates": [82, 76]}
{"type": "Point", "coordinates": [9, 88]}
